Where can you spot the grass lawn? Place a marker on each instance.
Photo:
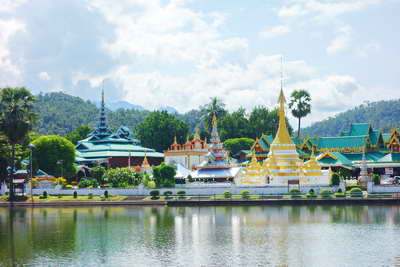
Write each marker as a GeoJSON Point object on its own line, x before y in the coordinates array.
{"type": "Point", "coordinates": [163, 198]}
{"type": "Point", "coordinates": [69, 198]}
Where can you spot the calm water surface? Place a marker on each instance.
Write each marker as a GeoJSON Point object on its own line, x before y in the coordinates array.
{"type": "Point", "coordinates": [201, 236]}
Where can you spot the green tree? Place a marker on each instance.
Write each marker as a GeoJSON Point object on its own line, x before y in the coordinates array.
{"type": "Point", "coordinates": [78, 134]}
{"type": "Point", "coordinates": [55, 155]}
{"type": "Point", "coordinates": [234, 125]}
{"type": "Point", "coordinates": [335, 179]}
{"type": "Point", "coordinates": [123, 177]}
{"type": "Point", "coordinates": [98, 172]}
{"type": "Point", "coordinates": [215, 106]}
{"type": "Point", "coordinates": [159, 128]}
{"type": "Point", "coordinates": [236, 144]}
{"type": "Point", "coordinates": [300, 104]}
{"type": "Point", "coordinates": [16, 119]}
{"type": "Point", "coordinates": [164, 175]}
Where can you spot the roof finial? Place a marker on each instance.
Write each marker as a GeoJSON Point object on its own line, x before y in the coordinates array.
{"type": "Point", "coordinates": [281, 72]}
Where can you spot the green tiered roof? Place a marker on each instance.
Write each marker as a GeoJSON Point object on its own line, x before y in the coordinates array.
{"type": "Point", "coordinates": [102, 144]}
{"type": "Point", "coordinates": [342, 143]}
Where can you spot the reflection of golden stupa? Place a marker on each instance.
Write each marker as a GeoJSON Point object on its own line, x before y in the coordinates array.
{"type": "Point", "coordinates": [253, 173]}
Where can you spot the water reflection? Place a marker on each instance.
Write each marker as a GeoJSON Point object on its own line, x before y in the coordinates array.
{"type": "Point", "coordinates": [200, 236]}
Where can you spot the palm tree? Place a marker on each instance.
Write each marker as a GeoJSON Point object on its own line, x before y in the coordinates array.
{"type": "Point", "coordinates": [215, 106]}
{"type": "Point", "coordinates": [300, 105]}
{"type": "Point", "coordinates": [16, 119]}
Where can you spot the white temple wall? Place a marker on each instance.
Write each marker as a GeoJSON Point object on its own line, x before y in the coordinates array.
{"type": "Point", "coordinates": [383, 188]}
{"type": "Point", "coordinates": [189, 161]}
{"type": "Point", "coordinates": [194, 191]}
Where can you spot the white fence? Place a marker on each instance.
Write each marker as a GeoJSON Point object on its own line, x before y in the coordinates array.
{"type": "Point", "coordinates": [194, 191]}
{"type": "Point", "coordinates": [383, 188]}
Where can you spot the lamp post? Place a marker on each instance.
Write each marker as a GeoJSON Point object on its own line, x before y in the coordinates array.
{"type": "Point", "coordinates": [31, 147]}
{"type": "Point", "coordinates": [10, 173]}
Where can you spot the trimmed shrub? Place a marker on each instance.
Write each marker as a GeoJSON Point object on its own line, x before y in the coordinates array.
{"type": "Point", "coordinates": [106, 194]}
{"type": "Point", "coordinates": [340, 190]}
{"type": "Point", "coordinates": [181, 194]}
{"type": "Point", "coordinates": [90, 196]}
{"type": "Point", "coordinates": [151, 184]}
{"type": "Point", "coordinates": [295, 191]}
{"type": "Point", "coordinates": [339, 195]}
{"type": "Point", "coordinates": [227, 194]}
{"type": "Point", "coordinates": [311, 191]}
{"type": "Point", "coordinates": [155, 194]}
{"type": "Point", "coordinates": [75, 194]}
{"type": "Point", "coordinates": [326, 193]}
{"type": "Point", "coordinates": [68, 186]}
{"type": "Point", "coordinates": [44, 195]}
{"type": "Point", "coordinates": [376, 178]}
{"type": "Point", "coordinates": [59, 196]}
{"type": "Point", "coordinates": [88, 182]}
{"type": "Point", "coordinates": [168, 194]}
{"type": "Point", "coordinates": [245, 194]}
{"type": "Point", "coordinates": [356, 192]}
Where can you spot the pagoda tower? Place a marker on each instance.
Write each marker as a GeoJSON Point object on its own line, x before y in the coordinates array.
{"type": "Point", "coordinates": [283, 162]}
{"type": "Point", "coordinates": [102, 129]}
{"type": "Point", "coordinates": [217, 156]}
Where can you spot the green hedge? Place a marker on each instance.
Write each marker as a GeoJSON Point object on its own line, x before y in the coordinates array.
{"type": "Point", "coordinates": [325, 193]}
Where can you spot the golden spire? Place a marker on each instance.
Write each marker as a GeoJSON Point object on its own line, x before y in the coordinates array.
{"type": "Point", "coordinates": [282, 136]}
{"type": "Point", "coordinates": [175, 142]}
{"type": "Point", "coordinates": [197, 135]}
{"type": "Point", "coordinates": [145, 163]}
{"type": "Point", "coordinates": [214, 120]}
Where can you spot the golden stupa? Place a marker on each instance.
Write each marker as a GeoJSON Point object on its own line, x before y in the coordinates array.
{"type": "Point", "coordinates": [252, 174]}
{"type": "Point", "coordinates": [283, 163]}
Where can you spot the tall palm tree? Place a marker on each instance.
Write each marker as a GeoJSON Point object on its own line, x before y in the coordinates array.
{"type": "Point", "coordinates": [300, 104]}
{"type": "Point", "coordinates": [215, 106]}
{"type": "Point", "coordinates": [16, 119]}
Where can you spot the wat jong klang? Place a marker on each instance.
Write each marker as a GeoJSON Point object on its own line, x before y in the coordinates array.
{"type": "Point", "coordinates": [118, 149]}
{"type": "Point", "coordinates": [282, 165]}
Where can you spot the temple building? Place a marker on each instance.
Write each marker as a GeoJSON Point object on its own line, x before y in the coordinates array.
{"type": "Point", "coordinates": [283, 164]}
{"type": "Point", "coordinates": [189, 155]}
{"type": "Point", "coordinates": [216, 167]}
{"type": "Point", "coordinates": [118, 149]}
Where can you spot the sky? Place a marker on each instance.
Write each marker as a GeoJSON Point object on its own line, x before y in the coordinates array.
{"type": "Point", "coordinates": [180, 53]}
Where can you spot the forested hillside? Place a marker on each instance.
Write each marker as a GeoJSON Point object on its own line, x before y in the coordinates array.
{"type": "Point", "coordinates": [383, 115]}
{"type": "Point", "coordinates": [59, 113]}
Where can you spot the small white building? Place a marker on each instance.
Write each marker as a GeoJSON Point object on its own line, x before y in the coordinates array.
{"type": "Point", "coordinates": [190, 154]}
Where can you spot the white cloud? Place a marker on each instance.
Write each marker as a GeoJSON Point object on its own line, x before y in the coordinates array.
{"type": "Point", "coordinates": [167, 32]}
{"type": "Point", "coordinates": [9, 72]}
{"type": "Point", "coordinates": [10, 5]}
{"type": "Point", "coordinates": [322, 10]}
{"type": "Point", "coordinates": [342, 41]}
{"type": "Point", "coordinates": [275, 31]}
{"type": "Point", "coordinates": [365, 50]}
{"type": "Point", "coordinates": [44, 76]}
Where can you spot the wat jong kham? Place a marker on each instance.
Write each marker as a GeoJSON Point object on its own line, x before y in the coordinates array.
{"type": "Point", "coordinates": [282, 164]}
{"type": "Point", "coordinates": [112, 150]}
{"type": "Point", "coordinates": [381, 150]}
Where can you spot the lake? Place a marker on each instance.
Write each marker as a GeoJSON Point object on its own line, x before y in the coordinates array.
{"type": "Point", "coordinates": [312, 235]}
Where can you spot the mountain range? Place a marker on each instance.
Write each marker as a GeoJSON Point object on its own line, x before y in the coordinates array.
{"type": "Point", "coordinates": [60, 113]}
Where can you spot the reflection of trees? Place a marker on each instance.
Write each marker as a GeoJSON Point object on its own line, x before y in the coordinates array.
{"type": "Point", "coordinates": [34, 231]}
